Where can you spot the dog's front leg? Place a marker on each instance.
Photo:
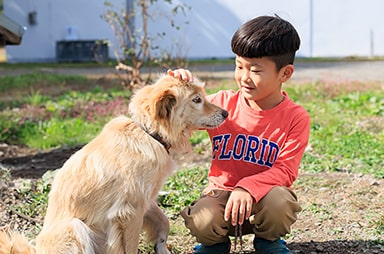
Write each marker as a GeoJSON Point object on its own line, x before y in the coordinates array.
{"type": "Point", "coordinates": [156, 225]}
{"type": "Point", "coordinates": [123, 236]}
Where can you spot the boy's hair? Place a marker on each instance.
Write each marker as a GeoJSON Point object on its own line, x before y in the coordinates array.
{"type": "Point", "coordinates": [267, 36]}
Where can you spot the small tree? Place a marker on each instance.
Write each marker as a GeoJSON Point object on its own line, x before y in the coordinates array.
{"type": "Point", "coordinates": [135, 44]}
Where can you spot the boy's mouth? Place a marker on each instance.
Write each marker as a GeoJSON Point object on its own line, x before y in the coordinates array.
{"type": "Point", "coordinates": [248, 88]}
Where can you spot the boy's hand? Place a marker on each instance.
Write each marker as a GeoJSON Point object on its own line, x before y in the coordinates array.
{"type": "Point", "coordinates": [238, 207]}
{"type": "Point", "coordinates": [182, 74]}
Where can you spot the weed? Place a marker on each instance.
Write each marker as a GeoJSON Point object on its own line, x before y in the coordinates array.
{"type": "Point", "coordinates": [345, 127]}
{"type": "Point", "coordinates": [58, 132]}
{"type": "Point", "coordinates": [347, 135]}
{"type": "Point", "coordinates": [198, 137]}
{"type": "Point", "coordinates": [183, 188]}
{"type": "Point", "coordinates": [35, 196]}
{"type": "Point", "coordinates": [36, 98]}
{"type": "Point", "coordinates": [378, 225]}
{"type": "Point", "coordinates": [35, 79]}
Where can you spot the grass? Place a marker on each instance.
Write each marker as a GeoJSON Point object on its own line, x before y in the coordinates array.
{"type": "Point", "coordinates": [42, 120]}
{"type": "Point", "coordinates": [346, 119]}
{"type": "Point", "coordinates": [191, 62]}
{"type": "Point", "coordinates": [35, 78]}
{"type": "Point", "coordinates": [346, 126]}
{"type": "Point", "coordinates": [347, 131]}
{"type": "Point", "coordinates": [183, 188]}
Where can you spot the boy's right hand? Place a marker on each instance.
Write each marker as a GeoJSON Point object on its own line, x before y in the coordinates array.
{"type": "Point", "coordinates": [182, 74]}
{"type": "Point", "coordinates": [238, 207]}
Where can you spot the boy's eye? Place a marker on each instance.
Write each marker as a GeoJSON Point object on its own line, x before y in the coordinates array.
{"type": "Point", "coordinates": [255, 70]}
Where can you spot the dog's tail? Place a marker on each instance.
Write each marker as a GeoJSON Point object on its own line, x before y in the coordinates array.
{"type": "Point", "coordinates": [68, 236]}
{"type": "Point", "coordinates": [14, 243]}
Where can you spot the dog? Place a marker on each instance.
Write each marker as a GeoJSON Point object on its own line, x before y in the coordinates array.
{"type": "Point", "coordinates": [105, 193]}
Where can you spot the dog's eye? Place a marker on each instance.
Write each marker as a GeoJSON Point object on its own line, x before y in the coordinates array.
{"type": "Point", "coordinates": [197, 99]}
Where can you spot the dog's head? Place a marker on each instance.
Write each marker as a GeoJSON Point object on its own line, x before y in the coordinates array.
{"type": "Point", "coordinates": [173, 108]}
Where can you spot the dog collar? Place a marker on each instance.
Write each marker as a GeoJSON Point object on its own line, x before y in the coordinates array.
{"type": "Point", "coordinates": [159, 138]}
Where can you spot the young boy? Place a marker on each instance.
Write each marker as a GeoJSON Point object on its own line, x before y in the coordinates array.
{"type": "Point", "coordinates": [257, 150]}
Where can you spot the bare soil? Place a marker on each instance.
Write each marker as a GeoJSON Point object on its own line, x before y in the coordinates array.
{"type": "Point", "coordinates": [342, 212]}
{"type": "Point", "coordinates": [339, 216]}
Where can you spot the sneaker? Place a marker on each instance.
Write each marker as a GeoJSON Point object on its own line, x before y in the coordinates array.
{"type": "Point", "coordinates": [263, 246]}
{"type": "Point", "coordinates": [218, 248]}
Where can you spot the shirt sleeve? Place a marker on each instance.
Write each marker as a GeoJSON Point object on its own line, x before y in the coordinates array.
{"type": "Point", "coordinates": [285, 169]}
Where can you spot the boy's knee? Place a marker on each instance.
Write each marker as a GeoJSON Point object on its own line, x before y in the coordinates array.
{"type": "Point", "coordinates": [281, 197]}
{"type": "Point", "coordinates": [275, 213]}
{"type": "Point", "coordinates": [205, 219]}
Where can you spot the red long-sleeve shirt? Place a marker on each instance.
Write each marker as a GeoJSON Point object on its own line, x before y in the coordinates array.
{"type": "Point", "coordinates": [256, 150]}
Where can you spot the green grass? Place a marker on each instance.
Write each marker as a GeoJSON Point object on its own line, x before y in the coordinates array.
{"type": "Point", "coordinates": [183, 188]}
{"type": "Point", "coordinates": [379, 225]}
{"type": "Point", "coordinates": [346, 119]}
{"type": "Point", "coordinates": [41, 65]}
{"type": "Point", "coordinates": [198, 137]}
{"type": "Point", "coordinates": [38, 119]}
{"type": "Point", "coordinates": [347, 132]}
{"type": "Point", "coordinates": [191, 62]}
{"type": "Point", "coordinates": [56, 132]}
{"type": "Point", "coordinates": [35, 78]}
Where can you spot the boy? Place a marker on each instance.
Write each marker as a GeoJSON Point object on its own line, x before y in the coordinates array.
{"type": "Point", "coordinates": [257, 150]}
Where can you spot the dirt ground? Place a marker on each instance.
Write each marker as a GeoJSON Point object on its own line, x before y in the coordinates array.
{"type": "Point", "coordinates": [342, 212]}
{"type": "Point", "coordinates": [337, 217]}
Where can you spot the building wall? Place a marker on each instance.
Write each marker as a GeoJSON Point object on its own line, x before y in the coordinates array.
{"type": "Point", "coordinates": [54, 19]}
{"type": "Point", "coordinates": [327, 28]}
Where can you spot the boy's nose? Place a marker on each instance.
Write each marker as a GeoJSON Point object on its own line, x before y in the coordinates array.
{"type": "Point", "coordinates": [247, 80]}
{"type": "Point", "coordinates": [245, 77]}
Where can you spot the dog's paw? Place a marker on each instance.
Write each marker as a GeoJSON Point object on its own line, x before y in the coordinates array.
{"type": "Point", "coordinates": [162, 247]}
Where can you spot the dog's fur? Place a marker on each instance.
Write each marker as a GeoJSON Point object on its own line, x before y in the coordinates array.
{"type": "Point", "coordinates": [105, 193]}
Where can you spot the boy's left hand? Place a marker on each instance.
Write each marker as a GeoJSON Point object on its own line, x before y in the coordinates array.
{"type": "Point", "coordinates": [238, 207]}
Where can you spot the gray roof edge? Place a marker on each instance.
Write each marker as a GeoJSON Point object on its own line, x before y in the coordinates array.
{"type": "Point", "coordinates": [10, 31]}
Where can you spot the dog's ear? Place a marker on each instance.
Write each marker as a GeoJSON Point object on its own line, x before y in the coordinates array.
{"type": "Point", "coordinates": [165, 104]}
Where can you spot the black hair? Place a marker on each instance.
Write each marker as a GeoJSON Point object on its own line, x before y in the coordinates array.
{"type": "Point", "coordinates": [267, 36]}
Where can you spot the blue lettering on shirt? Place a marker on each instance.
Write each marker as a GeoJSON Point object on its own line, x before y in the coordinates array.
{"type": "Point", "coordinates": [261, 160]}
{"type": "Point", "coordinates": [225, 155]}
{"type": "Point", "coordinates": [249, 148]}
{"type": "Point", "coordinates": [253, 146]}
{"type": "Point", "coordinates": [238, 148]}
{"type": "Point", "coordinates": [273, 149]}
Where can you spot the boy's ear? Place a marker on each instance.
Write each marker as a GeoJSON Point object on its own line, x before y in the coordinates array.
{"type": "Point", "coordinates": [287, 72]}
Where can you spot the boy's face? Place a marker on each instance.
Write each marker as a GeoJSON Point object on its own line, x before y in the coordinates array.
{"type": "Point", "coordinates": [260, 82]}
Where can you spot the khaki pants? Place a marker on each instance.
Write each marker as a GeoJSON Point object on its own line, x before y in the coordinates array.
{"type": "Point", "coordinates": [271, 218]}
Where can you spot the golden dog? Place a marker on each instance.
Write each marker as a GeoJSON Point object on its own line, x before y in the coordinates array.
{"type": "Point", "coordinates": [106, 192]}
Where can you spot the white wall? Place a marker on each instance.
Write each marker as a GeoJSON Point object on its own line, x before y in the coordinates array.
{"type": "Point", "coordinates": [340, 28]}
{"type": "Point", "coordinates": [343, 27]}
{"type": "Point", "coordinates": [53, 19]}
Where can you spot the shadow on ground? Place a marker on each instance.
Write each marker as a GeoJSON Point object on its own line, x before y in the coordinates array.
{"type": "Point", "coordinates": [333, 247]}
{"type": "Point", "coordinates": [35, 165]}
{"type": "Point", "coordinates": [337, 246]}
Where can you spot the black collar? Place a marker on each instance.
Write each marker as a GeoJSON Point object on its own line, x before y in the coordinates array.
{"type": "Point", "coordinates": [157, 137]}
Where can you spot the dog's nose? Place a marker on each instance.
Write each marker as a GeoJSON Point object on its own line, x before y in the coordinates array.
{"type": "Point", "coordinates": [224, 113]}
